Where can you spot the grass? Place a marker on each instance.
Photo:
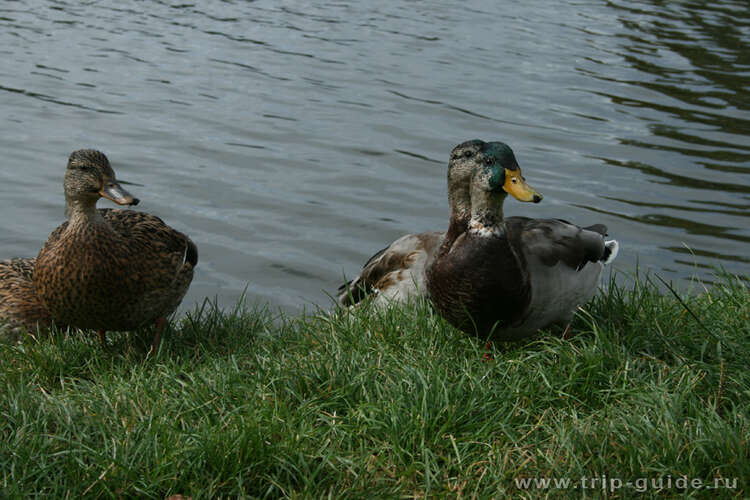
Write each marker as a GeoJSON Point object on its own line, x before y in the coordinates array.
{"type": "Point", "coordinates": [388, 405]}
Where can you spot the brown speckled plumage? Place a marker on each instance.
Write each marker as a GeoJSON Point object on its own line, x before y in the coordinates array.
{"type": "Point", "coordinates": [395, 273]}
{"type": "Point", "coordinates": [20, 306]}
{"type": "Point", "coordinates": [110, 269]}
{"type": "Point", "coordinates": [120, 275]}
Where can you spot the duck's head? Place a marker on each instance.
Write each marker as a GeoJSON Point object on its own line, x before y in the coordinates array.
{"type": "Point", "coordinates": [461, 168]}
{"type": "Point", "coordinates": [497, 172]}
{"type": "Point", "coordinates": [90, 177]}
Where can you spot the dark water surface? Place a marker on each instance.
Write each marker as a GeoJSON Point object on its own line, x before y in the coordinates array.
{"type": "Point", "coordinates": [291, 140]}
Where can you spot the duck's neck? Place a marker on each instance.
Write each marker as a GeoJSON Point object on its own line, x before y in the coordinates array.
{"type": "Point", "coordinates": [486, 213]}
{"type": "Point", "coordinates": [459, 198]}
{"type": "Point", "coordinates": [82, 212]}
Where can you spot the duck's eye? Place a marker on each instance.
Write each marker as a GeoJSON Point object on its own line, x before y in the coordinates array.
{"type": "Point", "coordinates": [514, 180]}
{"type": "Point", "coordinates": [488, 161]}
{"type": "Point", "coordinates": [467, 154]}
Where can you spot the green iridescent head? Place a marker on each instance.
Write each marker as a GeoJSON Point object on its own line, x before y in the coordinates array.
{"type": "Point", "coordinates": [497, 168]}
{"type": "Point", "coordinates": [497, 158]}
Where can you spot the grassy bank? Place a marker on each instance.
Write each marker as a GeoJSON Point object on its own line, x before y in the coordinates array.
{"type": "Point", "coordinates": [397, 404]}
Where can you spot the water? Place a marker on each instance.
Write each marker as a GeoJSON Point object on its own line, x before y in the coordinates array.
{"type": "Point", "coordinates": [292, 140]}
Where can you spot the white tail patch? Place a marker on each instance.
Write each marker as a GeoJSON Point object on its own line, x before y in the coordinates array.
{"type": "Point", "coordinates": [614, 248]}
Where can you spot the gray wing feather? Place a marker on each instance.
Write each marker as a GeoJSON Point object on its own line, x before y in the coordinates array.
{"type": "Point", "coordinates": [554, 240]}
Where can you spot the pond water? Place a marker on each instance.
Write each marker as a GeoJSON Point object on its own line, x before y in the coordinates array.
{"type": "Point", "coordinates": [293, 139]}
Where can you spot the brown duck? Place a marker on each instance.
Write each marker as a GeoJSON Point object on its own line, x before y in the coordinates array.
{"type": "Point", "coordinates": [511, 276]}
{"type": "Point", "coordinates": [110, 269]}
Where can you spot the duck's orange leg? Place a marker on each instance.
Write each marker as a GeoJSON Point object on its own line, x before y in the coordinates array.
{"type": "Point", "coordinates": [487, 356]}
{"type": "Point", "coordinates": [160, 323]}
{"type": "Point", "coordinates": [102, 336]}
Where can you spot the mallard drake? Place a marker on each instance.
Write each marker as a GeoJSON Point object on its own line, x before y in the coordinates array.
{"type": "Point", "coordinates": [110, 269]}
{"type": "Point", "coordinates": [20, 306]}
{"type": "Point", "coordinates": [397, 272]}
{"type": "Point", "coordinates": [512, 276]}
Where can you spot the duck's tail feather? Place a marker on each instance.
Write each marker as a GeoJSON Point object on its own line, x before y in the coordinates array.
{"type": "Point", "coordinates": [191, 253]}
{"type": "Point", "coordinates": [611, 248]}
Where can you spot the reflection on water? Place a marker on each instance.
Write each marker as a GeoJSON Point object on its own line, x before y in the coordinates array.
{"type": "Point", "coordinates": [691, 64]}
{"type": "Point", "coordinates": [293, 140]}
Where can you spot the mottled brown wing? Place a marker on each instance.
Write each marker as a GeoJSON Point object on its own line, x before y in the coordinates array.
{"type": "Point", "coordinates": [355, 290]}
{"type": "Point", "coordinates": [19, 303]}
{"type": "Point", "coordinates": [397, 256]}
{"type": "Point", "coordinates": [20, 269]}
{"type": "Point", "coordinates": [148, 232]}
